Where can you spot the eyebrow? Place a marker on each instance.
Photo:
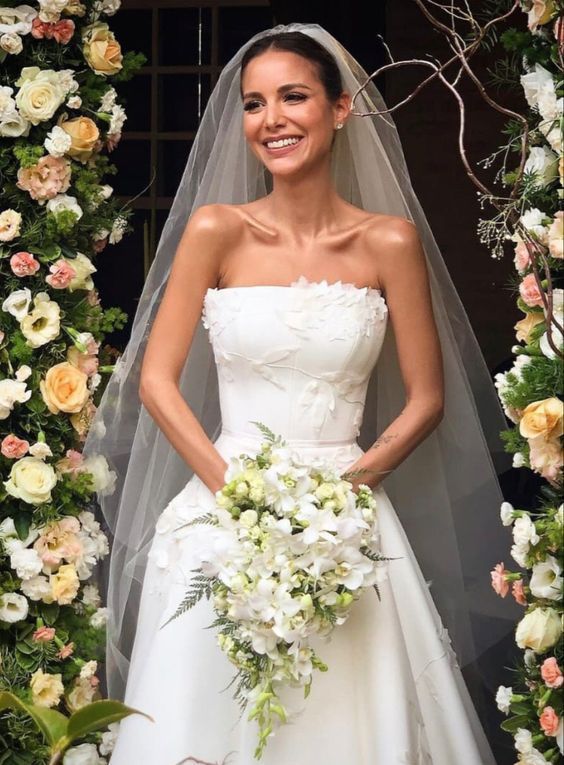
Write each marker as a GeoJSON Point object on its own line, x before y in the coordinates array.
{"type": "Point", "coordinates": [281, 89]}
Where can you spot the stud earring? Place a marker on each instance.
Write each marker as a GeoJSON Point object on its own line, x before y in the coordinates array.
{"type": "Point", "coordinates": [338, 126]}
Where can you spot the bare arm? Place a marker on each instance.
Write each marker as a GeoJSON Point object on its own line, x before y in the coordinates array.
{"type": "Point", "coordinates": [196, 267]}
{"type": "Point", "coordinates": [404, 278]}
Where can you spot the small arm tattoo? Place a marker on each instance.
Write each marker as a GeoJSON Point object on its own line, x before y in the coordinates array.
{"type": "Point", "coordinates": [383, 440]}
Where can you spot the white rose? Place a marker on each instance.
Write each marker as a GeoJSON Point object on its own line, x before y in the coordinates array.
{"type": "Point", "coordinates": [57, 142]}
{"type": "Point", "coordinates": [50, 10]}
{"type": "Point", "coordinates": [26, 562]}
{"type": "Point", "coordinates": [83, 754]}
{"type": "Point", "coordinates": [40, 94]}
{"type": "Point", "coordinates": [546, 580]}
{"type": "Point", "coordinates": [13, 125]}
{"type": "Point", "coordinates": [539, 630]}
{"type": "Point", "coordinates": [524, 531]}
{"type": "Point", "coordinates": [64, 202]}
{"type": "Point", "coordinates": [104, 478]}
{"type": "Point", "coordinates": [523, 741]}
{"type": "Point", "coordinates": [503, 698]}
{"type": "Point", "coordinates": [42, 324]}
{"type": "Point", "coordinates": [37, 588]}
{"type": "Point", "coordinates": [544, 163]}
{"type": "Point", "coordinates": [11, 43]}
{"type": "Point", "coordinates": [17, 20]}
{"type": "Point", "coordinates": [13, 607]}
{"type": "Point", "coordinates": [40, 450]}
{"type": "Point", "coordinates": [12, 392]}
{"type": "Point", "coordinates": [84, 268]}
{"type": "Point", "coordinates": [533, 221]}
{"type": "Point", "coordinates": [534, 82]}
{"type": "Point", "coordinates": [31, 480]}
{"type": "Point", "coordinates": [99, 618]}
{"type": "Point", "coordinates": [17, 303]}
{"type": "Point", "coordinates": [506, 513]}
{"type": "Point", "coordinates": [10, 222]}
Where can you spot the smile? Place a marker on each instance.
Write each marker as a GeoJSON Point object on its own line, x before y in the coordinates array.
{"type": "Point", "coordinates": [282, 146]}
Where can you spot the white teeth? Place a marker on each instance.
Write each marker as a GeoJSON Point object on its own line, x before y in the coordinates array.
{"type": "Point", "coordinates": [281, 143]}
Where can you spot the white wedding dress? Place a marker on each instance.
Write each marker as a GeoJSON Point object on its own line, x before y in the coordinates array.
{"type": "Point", "coordinates": [297, 358]}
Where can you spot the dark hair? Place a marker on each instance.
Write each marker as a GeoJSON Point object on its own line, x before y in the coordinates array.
{"type": "Point", "coordinates": [305, 46]}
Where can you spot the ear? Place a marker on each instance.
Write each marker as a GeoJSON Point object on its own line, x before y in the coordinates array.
{"type": "Point", "coordinates": [342, 107]}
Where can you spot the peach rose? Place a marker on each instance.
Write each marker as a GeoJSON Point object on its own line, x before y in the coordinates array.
{"type": "Point", "coordinates": [13, 447]}
{"type": "Point", "coordinates": [526, 325]}
{"type": "Point", "coordinates": [499, 583]}
{"type": "Point", "coordinates": [71, 462]}
{"type": "Point", "coordinates": [522, 259]}
{"type": "Point", "coordinates": [542, 418]}
{"type": "Point", "coordinates": [58, 542]}
{"type": "Point", "coordinates": [540, 13]}
{"type": "Point", "coordinates": [86, 362]}
{"type": "Point", "coordinates": [101, 49]}
{"type": "Point", "coordinates": [529, 291]}
{"type": "Point", "coordinates": [546, 457]}
{"type": "Point", "coordinates": [64, 388]}
{"type": "Point", "coordinates": [551, 673]}
{"type": "Point", "coordinates": [62, 274]}
{"type": "Point", "coordinates": [44, 634]}
{"type": "Point", "coordinates": [44, 180]}
{"type": "Point", "coordinates": [549, 721]}
{"type": "Point", "coordinates": [24, 264]}
{"type": "Point", "coordinates": [84, 134]}
{"type": "Point", "coordinates": [518, 592]}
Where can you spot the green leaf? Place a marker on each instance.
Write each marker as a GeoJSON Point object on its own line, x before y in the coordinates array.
{"type": "Point", "coordinates": [513, 723]}
{"type": "Point", "coordinates": [98, 715]}
{"type": "Point", "coordinates": [50, 612]}
{"type": "Point", "coordinates": [22, 522]}
{"type": "Point", "coordinates": [51, 723]}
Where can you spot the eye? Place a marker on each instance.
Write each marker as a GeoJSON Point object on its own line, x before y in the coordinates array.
{"type": "Point", "coordinates": [296, 96]}
{"type": "Point", "coordinates": [251, 105]}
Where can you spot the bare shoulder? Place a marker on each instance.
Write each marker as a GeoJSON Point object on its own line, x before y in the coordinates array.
{"type": "Point", "coordinates": [389, 234]}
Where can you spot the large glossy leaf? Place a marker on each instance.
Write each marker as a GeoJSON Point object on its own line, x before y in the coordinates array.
{"type": "Point", "coordinates": [98, 715]}
{"type": "Point", "coordinates": [51, 723]}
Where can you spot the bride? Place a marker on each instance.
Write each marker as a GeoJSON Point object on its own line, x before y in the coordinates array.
{"type": "Point", "coordinates": [296, 241]}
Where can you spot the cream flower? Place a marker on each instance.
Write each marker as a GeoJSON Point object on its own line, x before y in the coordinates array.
{"type": "Point", "coordinates": [83, 268]}
{"type": "Point", "coordinates": [12, 392]}
{"type": "Point", "coordinates": [83, 754]}
{"type": "Point", "coordinates": [533, 83]}
{"type": "Point", "coordinates": [64, 388]}
{"type": "Point", "coordinates": [46, 689]}
{"type": "Point", "coordinates": [37, 588]}
{"type": "Point", "coordinates": [17, 303]}
{"type": "Point", "coordinates": [26, 563]}
{"type": "Point", "coordinates": [539, 630]}
{"type": "Point", "coordinates": [556, 236]}
{"type": "Point", "coordinates": [544, 163]}
{"type": "Point", "coordinates": [31, 480]}
{"type": "Point", "coordinates": [65, 584]}
{"type": "Point", "coordinates": [82, 693]}
{"type": "Point", "coordinates": [16, 20]}
{"type": "Point", "coordinates": [546, 579]}
{"type": "Point", "coordinates": [104, 478]}
{"type": "Point", "coordinates": [11, 43]}
{"type": "Point", "coordinates": [57, 142]}
{"type": "Point", "coordinates": [13, 607]}
{"type": "Point", "coordinates": [10, 222]}
{"type": "Point", "coordinates": [101, 49]}
{"type": "Point", "coordinates": [14, 125]}
{"type": "Point", "coordinates": [64, 203]}
{"type": "Point", "coordinates": [40, 94]}
{"type": "Point", "coordinates": [42, 324]}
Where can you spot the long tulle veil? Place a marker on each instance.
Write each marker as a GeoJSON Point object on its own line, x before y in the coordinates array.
{"type": "Point", "coordinates": [446, 492]}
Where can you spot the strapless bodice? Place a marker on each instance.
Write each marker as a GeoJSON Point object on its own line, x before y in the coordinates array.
{"type": "Point", "coordinates": [297, 358]}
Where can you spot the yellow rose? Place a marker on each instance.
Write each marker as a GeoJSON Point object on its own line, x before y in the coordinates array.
{"type": "Point", "coordinates": [542, 418]}
{"type": "Point", "coordinates": [31, 480]}
{"type": "Point", "coordinates": [82, 693]}
{"type": "Point", "coordinates": [525, 326]}
{"type": "Point", "coordinates": [101, 49]}
{"type": "Point", "coordinates": [539, 630]}
{"type": "Point", "coordinates": [42, 324]}
{"type": "Point", "coordinates": [64, 388]}
{"type": "Point", "coordinates": [46, 689]}
{"type": "Point", "coordinates": [64, 584]}
{"type": "Point", "coordinates": [84, 134]}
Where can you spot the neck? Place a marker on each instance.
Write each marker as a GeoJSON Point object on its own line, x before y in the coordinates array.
{"type": "Point", "coordinates": [304, 208]}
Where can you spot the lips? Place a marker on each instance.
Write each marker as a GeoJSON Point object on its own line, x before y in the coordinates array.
{"type": "Point", "coordinates": [283, 150]}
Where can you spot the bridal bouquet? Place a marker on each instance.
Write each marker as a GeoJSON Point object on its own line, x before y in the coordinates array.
{"type": "Point", "coordinates": [291, 547]}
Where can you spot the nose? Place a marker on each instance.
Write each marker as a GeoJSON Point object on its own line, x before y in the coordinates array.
{"type": "Point", "coordinates": [273, 116]}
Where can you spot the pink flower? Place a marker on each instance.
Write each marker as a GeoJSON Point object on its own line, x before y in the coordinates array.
{"type": "Point", "coordinates": [60, 31]}
{"type": "Point", "coordinates": [522, 258]}
{"type": "Point", "coordinates": [13, 447]}
{"type": "Point", "coordinates": [62, 273]}
{"type": "Point", "coordinates": [24, 264]}
{"type": "Point", "coordinates": [92, 297]}
{"type": "Point", "coordinates": [59, 541]}
{"type": "Point", "coordinates": [66, 651]}
{"type": "Point", "coordinates": [49, 177]}
{"type": "Point", "coordinates": [551, 673]}
{"type": "Point", "coordinates": [545, 456]}
{"type": "Point", "coordinates": [71, 463]}
{"type": "Point", "coordinates": [499, 582]}
{"type": "Point", "coordinates": [519, 593]}
{"type": "Point", "coordinates": [112, 141]}
{"type": "Point", "coordinates": [549, 721]}
{"type": "Point", "coordinates": [529, 291]}
{"type": "Point", "coordinates": [44, 634]}
{"type": "Point", "coordinates": [100, 244]}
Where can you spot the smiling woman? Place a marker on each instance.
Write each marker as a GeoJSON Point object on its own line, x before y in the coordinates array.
{"type": "Point", "coordinates": [332, 321]}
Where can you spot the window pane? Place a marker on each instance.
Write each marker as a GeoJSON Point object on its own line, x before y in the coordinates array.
{"type": "Point", "coordinates": [135, 93]}
{"type": "Point", "coordinates": [179, 36]}
{"type": "Point", "coordinates": [133, 161]}
{"type": "Point", "coordinates": [133, 31]}
{"type": "Point", "coordinates": [178, 100]}
{"type": "Point", "coordinates": [237, 25]}
{"type": "Point", "coordinates": [172, 161]}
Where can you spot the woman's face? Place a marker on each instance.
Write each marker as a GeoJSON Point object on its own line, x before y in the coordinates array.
{"type": "Point", "coordinates": [283, 98]}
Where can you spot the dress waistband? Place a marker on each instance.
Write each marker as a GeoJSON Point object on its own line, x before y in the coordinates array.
{"type": "Point", "coordinates": [313, 442]}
